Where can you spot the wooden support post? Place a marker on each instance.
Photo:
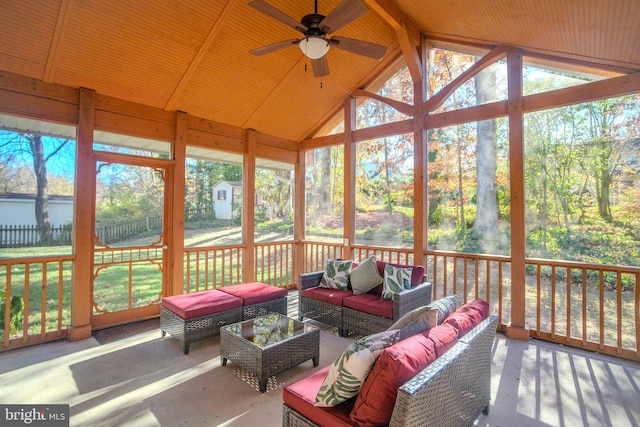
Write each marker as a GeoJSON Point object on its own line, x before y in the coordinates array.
{"type": "Point", "coordinates": [248, 208]}
{"type": "Point", "coordinates": [299, 218]}
{"type": "Point", "coordinates": [420, 213]}
{"type": "Point", "coordinates": [175, 240]}
{"type": "Point", "coordinates": [349, 231]}
{"type": "Point", "coordinates": [83, 220]}
{"type": "Point", "coordinates": [517, 329]}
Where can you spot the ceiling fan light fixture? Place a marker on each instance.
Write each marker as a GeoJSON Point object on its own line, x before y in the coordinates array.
{"type": "Point", "coordinates": [314, 47]}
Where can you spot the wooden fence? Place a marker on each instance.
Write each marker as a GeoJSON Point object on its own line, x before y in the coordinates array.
{"type": "Point", "coordinates": [13, 236]}
{"type": "Point", "coordinates": [111, 233]}
{"type": "Point", "coordinates": [16, 236]}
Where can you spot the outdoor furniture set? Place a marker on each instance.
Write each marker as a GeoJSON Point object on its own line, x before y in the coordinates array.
{"type": "Point", "coordinates": [358, 304]}
{"type": "Point", "coordinates": [199, 315]}
{"type": "Point", "coordinates": [438, 377]}
{"type": "Point", "coordinates": [416, 362]}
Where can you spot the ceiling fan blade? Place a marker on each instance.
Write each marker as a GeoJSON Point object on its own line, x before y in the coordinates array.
{"type": "Point", "coordinates": [276, 14]}
{"type": "Point", "coordinates": [359, 47]}
{"type": "Point", "coordinates": [344, 13]}
{"type": "Point", "coordinates": [320, 66]}
{"type": "Point", "coordinates": [273, 47]}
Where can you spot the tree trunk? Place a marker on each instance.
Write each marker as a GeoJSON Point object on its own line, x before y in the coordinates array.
{"type": "Point", "coordinates": [324, 204]}
{"type": "Point", "coordinates": [461, 220]}
{"type": "Point", "coordinates": [42, 189]}
{"type": "Point", "coordinates": [387, 179]}
{"type": "Point", "coordinates": [604, 184]}
{"type": "Point", "coordinates": [486, 222]}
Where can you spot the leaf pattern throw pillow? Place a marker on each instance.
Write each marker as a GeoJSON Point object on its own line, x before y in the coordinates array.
{"type": "Point", "coordinates": [336, 275]}
{"type": "Point", "coordinates": [396, 279]}
{"type": "Point", "coordinates": [445, 307]}
{"type": "Point", "coordinates": [349, 371]}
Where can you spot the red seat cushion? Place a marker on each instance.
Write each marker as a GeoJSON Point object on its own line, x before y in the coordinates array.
{"type": "Point", "coordinates": [468, 316]}
{"type": "Point", "coordinates": [331, 296]}
{"type": "Point", "coordinates": [395, 366]}
{"type": "Point", "coordinates": [369, 303]}
{"type": "Point", "coordinates": [301, 396]}
{"type": "Point", "coordinates": [196, 304]}
{"type": "Point", "coordinates": [254, 293]}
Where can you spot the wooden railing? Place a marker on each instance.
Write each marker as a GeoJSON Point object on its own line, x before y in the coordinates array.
{"type": "Point", "coordinates": [315, 254]}
{"type": "Point", "coordinates": [274, 263]}
{"type": "Point", "coordinates": [590, 306]}
{"type": "Point", "coordinates": [392, 255]}
{"type": "Point", "coordinates": [216, 266]}
{"type": "Point", "coordinates": [471, 276]}
{"type": "Point", "coordinates": [212, 267]}
{"type": "Point", "coordinates": [36, 299]}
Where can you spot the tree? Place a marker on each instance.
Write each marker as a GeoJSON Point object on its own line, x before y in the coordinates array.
{"type": "Point", "coordinates": [324, 204]}
{"type": "Point", "coordinates": [486, 222]}
{"type": "Point", "coordinates": [17, 147]}
{"type": "Point", "coordinates": [611, 124]}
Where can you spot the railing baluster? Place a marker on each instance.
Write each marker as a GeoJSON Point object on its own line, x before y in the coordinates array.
{"type": "Point", "coordinates": [619, 311]}
{"type": "Point", "coordinates": [25, 311]}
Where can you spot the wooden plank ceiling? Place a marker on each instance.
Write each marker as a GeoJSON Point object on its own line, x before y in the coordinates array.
{"type": "Point", "coordinates": [194, 56]}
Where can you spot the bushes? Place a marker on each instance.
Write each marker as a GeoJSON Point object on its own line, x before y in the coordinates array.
{"type": "Point", "coordinates": [16, 310]}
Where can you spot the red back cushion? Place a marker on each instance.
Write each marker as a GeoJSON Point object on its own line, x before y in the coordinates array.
{"type": "Point", "coordinates": [468, 316]}
{"type": "Point", "coordinates": [395, 366]}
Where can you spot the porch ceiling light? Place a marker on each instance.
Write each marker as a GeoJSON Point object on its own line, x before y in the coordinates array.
{"type": "Point", "coordinates": [314, 47]}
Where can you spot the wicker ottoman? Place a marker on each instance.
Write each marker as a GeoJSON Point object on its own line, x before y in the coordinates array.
{"type": "Point", "coordinates": [199, 315]}
{"type": "Point", "coordinates": [258, 299]}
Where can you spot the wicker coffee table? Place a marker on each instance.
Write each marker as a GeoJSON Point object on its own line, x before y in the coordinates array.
{"type": "Point", "coordinates": [268, 345]}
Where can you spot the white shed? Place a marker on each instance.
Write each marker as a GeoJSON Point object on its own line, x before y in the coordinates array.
{"type": "Point", "coordinates": [19, 209]}
{"type": "Point", "coordinates": [227, 199]}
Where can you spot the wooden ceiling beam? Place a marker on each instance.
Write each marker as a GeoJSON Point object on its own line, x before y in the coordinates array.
{"type": "Point", "coordinates": [197, 59]}
{"type": "Point", "coordinates": [58, 37]}
{"type": "Point", "coordinates": [490, 58]}
{"type": "Point", "coordinates": [408, 34]}
{"type": "Point", "coordinates": [332, 117]}
{"type": "Point", "coordinates": [406, 109]}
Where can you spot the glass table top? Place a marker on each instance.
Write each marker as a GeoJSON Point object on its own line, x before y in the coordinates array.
{"type": "Point", "coordinates": [268, 330]}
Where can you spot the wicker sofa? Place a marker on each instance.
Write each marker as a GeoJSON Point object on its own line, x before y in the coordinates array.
{"type": "Point", "coordinates": [452, 388]}
{"type": "Point", "coordinates": [361, 314]}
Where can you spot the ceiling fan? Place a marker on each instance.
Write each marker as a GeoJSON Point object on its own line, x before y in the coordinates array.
{"type": "Point", "coordinates": [315, 28]}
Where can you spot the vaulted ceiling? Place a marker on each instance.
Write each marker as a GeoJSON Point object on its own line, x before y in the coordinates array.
{"type": "Point", "coordinates": [193, 55]}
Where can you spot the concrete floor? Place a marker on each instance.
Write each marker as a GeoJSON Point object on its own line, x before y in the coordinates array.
{"type": "Point", "coordinates": [145, 380]}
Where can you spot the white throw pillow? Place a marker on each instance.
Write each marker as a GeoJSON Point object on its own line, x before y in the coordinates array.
{"type": "Point", "coordinates": [365, 276]}
{"type": "Point", "coordinates": [416, 321]}
{"type": "Point", "coordinates": [351, 368]}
